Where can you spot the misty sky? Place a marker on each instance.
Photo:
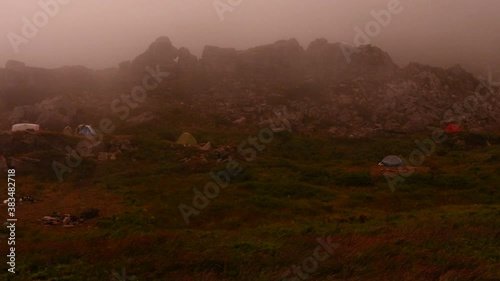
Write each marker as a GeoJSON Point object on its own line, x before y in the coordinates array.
{"type": "Point", "coordinates": [99, 34]}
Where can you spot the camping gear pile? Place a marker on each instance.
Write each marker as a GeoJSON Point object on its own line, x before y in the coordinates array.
{"type": "Point", "coordinates": [67, 220]}
{"type": "Point", "coordinates": [28, 198]}
{"type": "Point", "coordinates": [221, 154]}
{"type": "Point", "coordinates": [23, 199]}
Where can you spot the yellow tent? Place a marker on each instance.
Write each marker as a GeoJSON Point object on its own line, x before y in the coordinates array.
{"type": "Point", "coordinates": [186, 139]}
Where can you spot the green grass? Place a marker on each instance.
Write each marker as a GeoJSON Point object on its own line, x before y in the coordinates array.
{"type": "Point", "coordinates": [439, 224]}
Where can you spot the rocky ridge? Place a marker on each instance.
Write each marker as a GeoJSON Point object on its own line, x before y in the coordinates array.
{"type": "Point", "coordinates": [322, 89]}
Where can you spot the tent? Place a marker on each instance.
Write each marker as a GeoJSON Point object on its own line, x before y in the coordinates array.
{"type": "Point", "coordinates": [391, 161]}
{"type": "Point", "coordinates": [68, 131]}
{"type": "Point", "coordinates": [206, 147]}
{"type": "Point", "coordinates": [85, 130]}
{"type": "Point", "coordinates": [25, 127]}
{"type": "Point", "coordinates": [452, 128]}
{"type": "Point", "coordinates": [186, 139]}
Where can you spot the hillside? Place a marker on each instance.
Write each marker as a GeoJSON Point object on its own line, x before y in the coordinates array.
{"type": "Point", "coordinates": [327, 87]}
{"type": "Point", "coordinates": [282, 183]}
{"type": "Point", "coordinates": [441, 223]}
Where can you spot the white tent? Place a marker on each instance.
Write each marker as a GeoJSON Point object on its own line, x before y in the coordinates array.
{"type": "Point", "coordinates": [25, 127]}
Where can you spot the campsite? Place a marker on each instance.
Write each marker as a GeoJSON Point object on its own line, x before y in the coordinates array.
{"type": "Point", "coordinates": [226, 201]}
{"type": "Point", "coordinates": [198, 197]}
{"type": "Point", "coordinates": [255, 140]}
{"type": "Point", "coordinates": [267, 214]}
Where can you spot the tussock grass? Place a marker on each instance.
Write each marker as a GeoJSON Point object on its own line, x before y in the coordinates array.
{"type": "Point", "coordinates": [440, 224]}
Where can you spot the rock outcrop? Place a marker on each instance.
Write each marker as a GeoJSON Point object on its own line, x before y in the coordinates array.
{"type": "Point", "coordinates": [15, 65]}
{"type": "Point", "coordinates": [328, 87]}
{"type": "Point", "coordinates": [51, 114]}
{"type": "Point", "coordinates": [187, 61]}
{"type": "Point", "coordinates": [337, 62]}
{"type": "Point", "coordinates": [215, 59]}
{"type": "Point", "coordinates": [161, 52]}
{"type": "Point", "coordinates": [286, 59]}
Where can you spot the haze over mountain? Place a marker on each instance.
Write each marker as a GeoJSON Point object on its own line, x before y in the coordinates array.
{"type": "Point", "coordinates": [250, 140]}
{"type": "Point", "coordinates": [330, 87]}
{"type": "Point", "coordinates": [440, 33]}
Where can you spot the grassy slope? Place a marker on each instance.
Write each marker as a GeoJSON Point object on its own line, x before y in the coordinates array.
{"type": "Point", "coordinates": [440, 224]}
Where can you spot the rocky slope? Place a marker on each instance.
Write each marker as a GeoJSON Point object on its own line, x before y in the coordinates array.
{"type": "Point", "coordinates": [327, 87]}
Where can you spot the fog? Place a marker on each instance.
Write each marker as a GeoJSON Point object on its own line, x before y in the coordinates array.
{"type": "Point", "coordinates": [100, 34]}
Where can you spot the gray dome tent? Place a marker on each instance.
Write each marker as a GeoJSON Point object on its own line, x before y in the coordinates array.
{"type": "Point", "coordinates": [85, 130]}
{"type": "Point", "coordinates": [391, 161]}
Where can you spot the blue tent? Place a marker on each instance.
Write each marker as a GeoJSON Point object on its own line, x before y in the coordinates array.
{"type": "Point", "coordinates": [86, 130]}
{"type": "Point", "coordinates": [391, 161]}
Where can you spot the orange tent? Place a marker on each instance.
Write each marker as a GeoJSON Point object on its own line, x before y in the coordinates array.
{"type": "Point", "coordinates": [452, 128]}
